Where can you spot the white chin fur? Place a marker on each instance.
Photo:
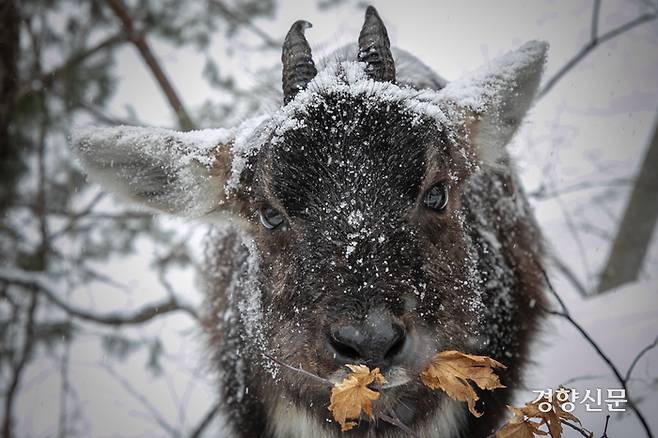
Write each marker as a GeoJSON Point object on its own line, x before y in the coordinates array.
{"type": "Point", "coordinates": [289, 421]}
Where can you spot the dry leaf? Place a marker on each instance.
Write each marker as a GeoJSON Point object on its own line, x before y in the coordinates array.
{"type": "Point", "coordinates": [552, 417]}
{"type": "Point", "coordinates": [352, 396]}
{"type": "Point", "coordinates": [523, 429]}
{"type": "Point", "coordinates": [520, 427]}
{"type": "Point", "coordinates": [450, 371]}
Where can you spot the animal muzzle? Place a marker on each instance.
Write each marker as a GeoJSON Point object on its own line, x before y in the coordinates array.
{"type": "Point", "coordinates": [379, 340]}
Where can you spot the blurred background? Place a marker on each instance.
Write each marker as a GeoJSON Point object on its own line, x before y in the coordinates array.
{"type": "Point", "coordinates": [98, 299]}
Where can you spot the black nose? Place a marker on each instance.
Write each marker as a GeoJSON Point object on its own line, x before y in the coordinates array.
{"type": "Point", "coordinates": [379, 342]}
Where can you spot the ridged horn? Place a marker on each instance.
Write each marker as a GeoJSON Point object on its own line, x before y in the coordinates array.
{"type": "Point", "coordinates": [298, 65]}
{"type": "Point", "coordinates": [375, 48]}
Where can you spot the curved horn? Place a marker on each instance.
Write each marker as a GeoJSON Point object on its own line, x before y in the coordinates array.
{"type": "Point", "coordinates": [375, 48]}
{"type": "Point", "coordinates": [298, 66]}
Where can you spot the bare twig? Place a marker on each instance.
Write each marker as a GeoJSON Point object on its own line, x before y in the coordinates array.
{"type": "Point", "coordinates": [144, 49]}
{"type": "Point", "coordinates": [65, 385]}
{"type": "Point", "coordinates": [395, 421]}
{"type": "Point", "coordinates": [605, 428]}
{"type": "Point", "coordinates": [564, 313]}
{"type": "Point", "coordinates": [47, 79]}
{"type": "Point", "coordinates": [130, 389]}
{"type": "Point", "coordinates": [570, 275]}
{"type": "Point", "coordinates": [594, 27]}
{"type": "Point", "coordinates": [102, 117]}
{"type": "Point", "coordinates": [18, 368]}
{"type": "Point", "coordinates": [581, 430]}
{"type": "Point", "coordinates": [638, 357]}
{"type": "Point", "coordinates": [299, 370]}
{"type": "Point", "coordinates": [75, 216]}
{"type": "Point", "coordinates": [595, 41]}
{"type": "Point", "coordinates": [543, 193]}
{"type": "Point", "coordinates": [205, 421]}
{"type": "Point", "coordinates": [238, 18]}
{"type": "Point", "coordinates": [573, 230]}
{"type": "Point", "coordinates": [139, 316]}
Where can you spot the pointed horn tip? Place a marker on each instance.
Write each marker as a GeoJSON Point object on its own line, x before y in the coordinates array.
{"type": "Point", "coordinates": [301, 25]}
{"type": "Point", "coordinates": [371, 11]}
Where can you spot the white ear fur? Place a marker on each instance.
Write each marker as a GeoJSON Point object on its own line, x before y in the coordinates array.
{"type": "Point", "coordinates": [176, 172]}
{"type": "Point", "coordinates": [498, 95]}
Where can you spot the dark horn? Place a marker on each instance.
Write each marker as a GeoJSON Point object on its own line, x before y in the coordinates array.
{"type": "Point", "coordinates": [375, 48]}
{"type": "Point", "coordinates": [298, 66]}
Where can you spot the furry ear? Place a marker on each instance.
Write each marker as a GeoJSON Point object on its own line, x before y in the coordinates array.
{"type": "Point", "coordinates": [177, 172]}
{"type": "Point", "coordinates": [493, 100]}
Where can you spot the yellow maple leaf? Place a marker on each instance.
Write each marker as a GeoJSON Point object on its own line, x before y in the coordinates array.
{"type": "Point", "coordinates": [553, 415]}
{"type": "Point", "coordinates": [523, 429]}
{"type": "Point", "coordinates": [450, 371]}
{"type": "Point", "coordinates": [352, 396]}
{"type": "Point", "coordinates": [519, 426]}
{"type": "Point", "coordinates": [522, 426]}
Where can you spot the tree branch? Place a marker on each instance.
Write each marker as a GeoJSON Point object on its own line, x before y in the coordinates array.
{"type": "Point", "coordinates": [605, 428]}
{"type": "Point", "coordinates": [564, 313]}
{"type": "Point", "coordinates": [130, 389]}
{"type": "Point", "coordinates": [47, 79]}
{"type": "Point", "coordinates": [570, 275]}
{"type": "Point", "coordinates": [395, 421]}
{"type": "Point", "coordinates": [318, 379]}
{"type": "Point", "coordinates": [205, 421]}
{"type": "Point", "coordinates": [594, 42]}
{"type": "Point", "coordinates": [102, 117]}
{"type": "Point", "coordinates": [139, 316]}
{"type": "Point", "coordinates": [144, 49]}
{"type": "Point", "coordinates": [77, 215]}
{"type": "Point", "coordinates": [238, 18]}
{"type": "Point", "coordinates": [26, 352]}
{"type": "Point", "coordinates": [639, 356]}
{"type": "Point", "coordinates": [581, 430]}
{"type": "Point", "coordinates": [543, 193]}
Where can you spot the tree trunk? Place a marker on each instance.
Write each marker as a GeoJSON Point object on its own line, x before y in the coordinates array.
{"type": "Point", "coordinates": [634, 234]}
{"type": "Point", "coordinates": [10, 162]}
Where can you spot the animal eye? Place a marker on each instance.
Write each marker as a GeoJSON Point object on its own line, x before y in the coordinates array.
{"type": "Point", "coordinates": [270, 217]}
{"type": "Point", "coordinates": [436, 198]}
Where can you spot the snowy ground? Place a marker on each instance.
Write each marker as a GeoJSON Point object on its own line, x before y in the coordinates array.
{"type": "Point", "coordinates": [592, 127]}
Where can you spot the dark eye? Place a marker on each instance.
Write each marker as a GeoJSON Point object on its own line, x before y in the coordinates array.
{"type": "Point", "coordinates": [436, 198]}
{"type": "Point", "coordinates": [270, 217]}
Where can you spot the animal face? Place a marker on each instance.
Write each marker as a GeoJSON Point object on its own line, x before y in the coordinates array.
{"type": "Point", "coordinates": [358, 214]}
{"type": "Point", "coordinates": [379, 222]}
{"type": "Point", "coordinates": [364, 250]}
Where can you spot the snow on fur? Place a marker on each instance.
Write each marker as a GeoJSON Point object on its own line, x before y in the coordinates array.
{"type": "Point", "coordinates": [499, 94]}
{"type": "Point", "coordinates": [165, 169]}
{"type": "Point", "coordinates": [168, 169]}
{"type": "Point", "coordinates": [487, 92]}
{"type": "Point", "coordinates": [487, 85]}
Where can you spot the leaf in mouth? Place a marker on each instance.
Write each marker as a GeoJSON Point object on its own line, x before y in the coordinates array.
{"type": "Point", "coordinates": [451, 370]}
{"type": "Point", "coordinates": [352, 396]}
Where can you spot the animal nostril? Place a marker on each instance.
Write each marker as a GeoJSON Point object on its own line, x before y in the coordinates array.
{"type": "Point", "coordinates": [343, 349]}
{"type": "Point", "coordinates": [396, 348]}
{"type": "Point", "coordinates": [380, 344]}
{"type": "Point", "coordinates": [347, 342]}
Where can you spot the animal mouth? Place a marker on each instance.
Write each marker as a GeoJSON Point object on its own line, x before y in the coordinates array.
{"type": "Point", "coordinates": [395, 377]}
